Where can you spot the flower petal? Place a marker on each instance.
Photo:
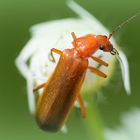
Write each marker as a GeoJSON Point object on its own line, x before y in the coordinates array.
{"type": "Point", "coordinates": [125, 71]}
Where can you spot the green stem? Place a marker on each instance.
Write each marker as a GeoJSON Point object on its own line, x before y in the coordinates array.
{"type": "Point", "coordinates": [93, 122]}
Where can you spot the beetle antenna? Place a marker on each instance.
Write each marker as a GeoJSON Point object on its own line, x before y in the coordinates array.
{"type": "Point", "coordinates": [123, 24]}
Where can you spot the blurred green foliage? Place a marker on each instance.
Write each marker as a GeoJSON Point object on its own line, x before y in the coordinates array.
{"type": "Point", "coordinates": [16, 17]}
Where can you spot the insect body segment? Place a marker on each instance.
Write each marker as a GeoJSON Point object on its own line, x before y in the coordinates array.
{"type": "Point", "coordinates": [63, 87]}
{"type": "Point", "coordinates": [60, 92]}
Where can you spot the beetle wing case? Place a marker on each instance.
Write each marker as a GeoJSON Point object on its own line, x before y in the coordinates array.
{"type": "Point", "coordinates": [60, 92]}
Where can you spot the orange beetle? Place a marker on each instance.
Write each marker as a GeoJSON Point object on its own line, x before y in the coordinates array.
{"type": "Point", "coordinates": [63, 87]}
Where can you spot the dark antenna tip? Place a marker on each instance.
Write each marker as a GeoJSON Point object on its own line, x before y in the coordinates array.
{"type": "Point", "coordinates": [110, 35]}
{"type": "Point", "coordinates": [123, 23]}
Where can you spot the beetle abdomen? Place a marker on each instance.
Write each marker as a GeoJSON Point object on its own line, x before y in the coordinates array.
{"type": "Point", "coordinates": [60, 92]}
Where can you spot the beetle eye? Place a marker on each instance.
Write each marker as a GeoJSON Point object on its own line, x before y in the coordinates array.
{"type": "Point", "coordinates": [101, 47]}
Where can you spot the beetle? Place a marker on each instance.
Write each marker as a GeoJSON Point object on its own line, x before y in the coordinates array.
{"type": "Point", "coordinates": [63, 87]}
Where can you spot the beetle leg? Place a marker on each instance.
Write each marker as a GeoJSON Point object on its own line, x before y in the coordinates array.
{"type": "Point", "coordinates": [38, 87]}
{"type": "Point", "coordinates": [82, 107]}
{"type": "Point", "coordinates": [74, 38]}
{"type": "Point", "coordinates": [96, 71]}
{"type": "Point", "coordinates": [73, 35]}
{"type": "Point", "coordinates": [55, 51]}
{"type": "Point", "coordinates": [99, 61]}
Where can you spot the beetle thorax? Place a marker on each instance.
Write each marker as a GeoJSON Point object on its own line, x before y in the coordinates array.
{"type": "Point", "coordinates": [85, 46]}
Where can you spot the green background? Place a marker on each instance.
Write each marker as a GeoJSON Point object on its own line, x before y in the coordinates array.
{"type": "Point", "coordinates": [16, 17]}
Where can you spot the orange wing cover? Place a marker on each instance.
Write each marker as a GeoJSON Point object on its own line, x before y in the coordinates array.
{"type": "Point", "coordinates": [60, 92]}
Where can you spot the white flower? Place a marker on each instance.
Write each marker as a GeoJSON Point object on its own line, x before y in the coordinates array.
{"type": "Point", "coordinates": [33, 61]}
{"type": "Point", "coordinates": [129, 130]}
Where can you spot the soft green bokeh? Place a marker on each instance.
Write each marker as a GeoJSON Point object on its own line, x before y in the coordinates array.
{"type": "Point", "coordinates": [16, 16]}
